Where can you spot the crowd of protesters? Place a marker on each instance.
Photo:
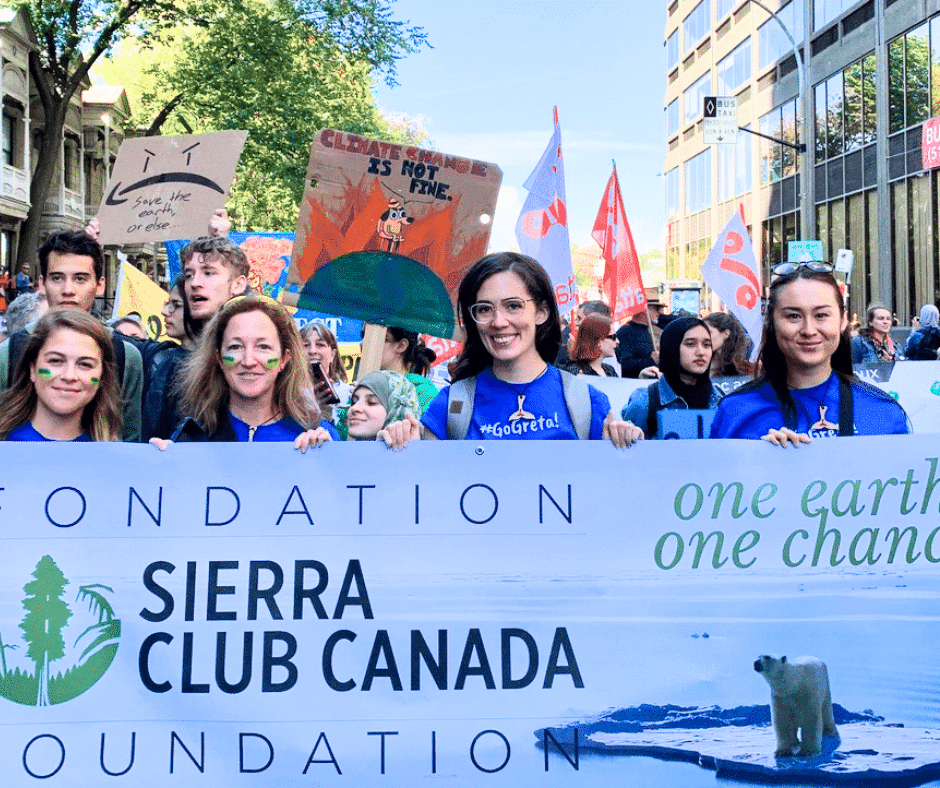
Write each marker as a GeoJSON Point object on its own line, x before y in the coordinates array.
{"type": "Point", "coordinates": [238, 368]}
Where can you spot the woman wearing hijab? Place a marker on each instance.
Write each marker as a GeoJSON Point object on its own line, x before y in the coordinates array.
{"type": "Point", "coordinates": [922, 344]}
{"type": "Point", "coordinates": [380, 401]}
{"type": "Point", "coordinates": [685, 357]}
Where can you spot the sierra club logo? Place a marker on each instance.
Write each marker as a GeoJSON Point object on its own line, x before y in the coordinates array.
{"type": "Point", "coordinates": [43, 633]}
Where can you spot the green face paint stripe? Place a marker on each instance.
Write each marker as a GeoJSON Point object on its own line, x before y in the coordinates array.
{"type": "Point", "coordinates": [229, 361]}
{"type": "Point", "coordinates": [44, 374]}
{"type": "Point", "coordinates": [271, 363]}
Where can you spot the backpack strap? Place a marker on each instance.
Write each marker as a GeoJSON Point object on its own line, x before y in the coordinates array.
{"type": "Point", "coordinates": [119, 356]}
{"type": "Point", "coordinates": [16, 348]}
{"type": "Point", "coordinates": [846, 409]}
{"type": "Point", "coordinates": [460, 407]}
{"type": "Point", "coordinates": [577, 394]}
{"type": "Point", "coordinates": [654, 406]}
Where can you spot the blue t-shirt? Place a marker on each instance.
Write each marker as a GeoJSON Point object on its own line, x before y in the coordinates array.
{"type": "Point", "coordinates": [498, 412]}
{"type": "Point", "coordinates": [753, 411]}
{"type": "Point", "coordinates": [281, 430]}
{"type": "Point", "coordinates": [27, 432]}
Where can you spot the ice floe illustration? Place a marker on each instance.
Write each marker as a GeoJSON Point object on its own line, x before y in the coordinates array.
{"type": "Point", "coordinates": [738, 743]}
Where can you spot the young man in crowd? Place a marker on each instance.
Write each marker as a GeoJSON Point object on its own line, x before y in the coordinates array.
{"type": "Point", "coordinates": [635, 349]}
{"type": "Point", "coordinates": [71, 276]}
{"type": "Point", "coordinates": [214, 270]}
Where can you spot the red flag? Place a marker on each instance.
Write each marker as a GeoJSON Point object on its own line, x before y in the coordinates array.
{"type": "Point", "coordinates": [623, 284]}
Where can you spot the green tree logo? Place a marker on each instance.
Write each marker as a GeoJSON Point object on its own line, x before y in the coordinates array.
{"type": "Point", "coordinates": [47, 615]}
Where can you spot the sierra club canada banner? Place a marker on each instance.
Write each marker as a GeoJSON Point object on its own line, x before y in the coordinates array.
{"type": "Point", "coordinates": [355, 616]}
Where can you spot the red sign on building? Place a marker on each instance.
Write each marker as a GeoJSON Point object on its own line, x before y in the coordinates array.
{"type": "Point", "coordinates": [930, 144]}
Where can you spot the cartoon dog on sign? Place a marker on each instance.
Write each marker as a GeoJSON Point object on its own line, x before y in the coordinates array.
{"type": "Point", "coordinates": [800, 702]}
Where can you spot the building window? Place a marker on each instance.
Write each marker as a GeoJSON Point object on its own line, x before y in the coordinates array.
{"type": "Point", "coordinates": [672, 194]}
{"type": "Point", "coordinates": [68, 165]}
{"type": "Point", "coordinates": [735, 69]}
{"type": "Point", "coordinates": [672, 119]}
{"type": "Point", "coordinates": [845, 110]}
{"type": "Point", "coordinates": [912, 92]}
{"type": "Point", "coordinates": [698, 182]}
{"type": "Point", "coordinates": [734, 167]}
{"type": "Point", "coordinates": [694, 98]}
{"type": "Point", "coordinates": [672, 51]}
{"type": "Point", "coordinates": [696, 26]}
{"type": "Point", "coordinates": [723, 8]}
{"type": "Point", "coordinates": [9, 140]}
{"type": "Point", "coordinates": [779, 161]}
{"type": "Point", "coordinates": [772, 42]}
{"type": "Point", "coordinates": [824, 11]}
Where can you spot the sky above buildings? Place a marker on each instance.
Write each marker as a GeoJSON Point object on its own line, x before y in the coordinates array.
{"type": "Point", "coordinates": [487, 88]}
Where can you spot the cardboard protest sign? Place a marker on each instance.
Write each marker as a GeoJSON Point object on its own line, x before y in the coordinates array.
{"type": "Point", "coordinates": [469, 617]}
{"type": "Point", "coordinates": [163, 188]}
{"type": "Point", "coordinates": [386, 231]}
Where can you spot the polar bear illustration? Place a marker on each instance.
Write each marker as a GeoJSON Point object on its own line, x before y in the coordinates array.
{"type": "Point", "coordinates": [800, 701]}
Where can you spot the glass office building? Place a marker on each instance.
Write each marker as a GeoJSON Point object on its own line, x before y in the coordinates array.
{"type": "Point", "coordinates": [872, 76]}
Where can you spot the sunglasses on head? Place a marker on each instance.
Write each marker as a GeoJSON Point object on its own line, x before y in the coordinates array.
{"type": "Point", "coordinates": [787, 268]}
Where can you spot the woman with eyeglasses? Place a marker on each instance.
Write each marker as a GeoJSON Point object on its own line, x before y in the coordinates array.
{"type": "Point", "coordinates": [805, 387]}
{"type": "Point", "coordinates": [504, 385]}
{"type": "Point", "coordinates": [594, 342]}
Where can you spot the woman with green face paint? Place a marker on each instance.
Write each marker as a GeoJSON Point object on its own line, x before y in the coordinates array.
{"type": "Point", "coordinates": [65, 386]}
{"type": "Point", "coordinates": [247, 380]}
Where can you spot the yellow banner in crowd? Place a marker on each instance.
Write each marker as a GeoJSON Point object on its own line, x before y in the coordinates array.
{"type": "Point", "coordinates": [137, 294]}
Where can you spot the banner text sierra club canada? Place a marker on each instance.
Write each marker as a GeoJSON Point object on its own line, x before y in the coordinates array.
{"type": "Point", "coordinates": [456, 609]}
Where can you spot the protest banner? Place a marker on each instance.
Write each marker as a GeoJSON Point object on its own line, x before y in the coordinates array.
{"type": "Point", "coordinates": [137, 294]}
{"type": "Point", "coordinates": [167, 187]}
{"type": "Point", "coordinates": [475, 613]}
{"type": "Point", "coordinates": [387, 230]}
{"type": "Point", "coordinates": [542, 227]}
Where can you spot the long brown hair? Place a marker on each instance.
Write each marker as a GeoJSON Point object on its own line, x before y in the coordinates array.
{"type": "Point", "coordinates": [204, 391]}
{"type": "Point", "coordinates": [474, 357]}
{"type": "Point", "coordinates": [772, 364]}
{"type": "Point", "coordinates": [102, 417]}
{"type": "Point", "coordinates": [594, 327]}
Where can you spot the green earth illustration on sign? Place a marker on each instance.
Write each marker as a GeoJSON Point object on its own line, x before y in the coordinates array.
{"type": "Point", "coordinates": [47, 615]}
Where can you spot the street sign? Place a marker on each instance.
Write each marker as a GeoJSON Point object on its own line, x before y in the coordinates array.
{"type": "Point", "coordinates": [804, 251]}
{"type": "Point", "coordinates": [720, 123]}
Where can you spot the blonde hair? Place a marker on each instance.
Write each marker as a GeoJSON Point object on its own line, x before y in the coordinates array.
{"type": "Point", "coordinates": [102, 417]}
{"type": "Point", "coordinates": [203, 389]}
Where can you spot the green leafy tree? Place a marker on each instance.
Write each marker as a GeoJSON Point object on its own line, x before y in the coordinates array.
{"type": "Point", "coordinates": [72, 35]}
{"type": "Point", "coordinates": [279, 69]}
{"type": "Point", "coordinates": [75, 34]}
{"type": "Point", "coordinates": [46, 615]}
